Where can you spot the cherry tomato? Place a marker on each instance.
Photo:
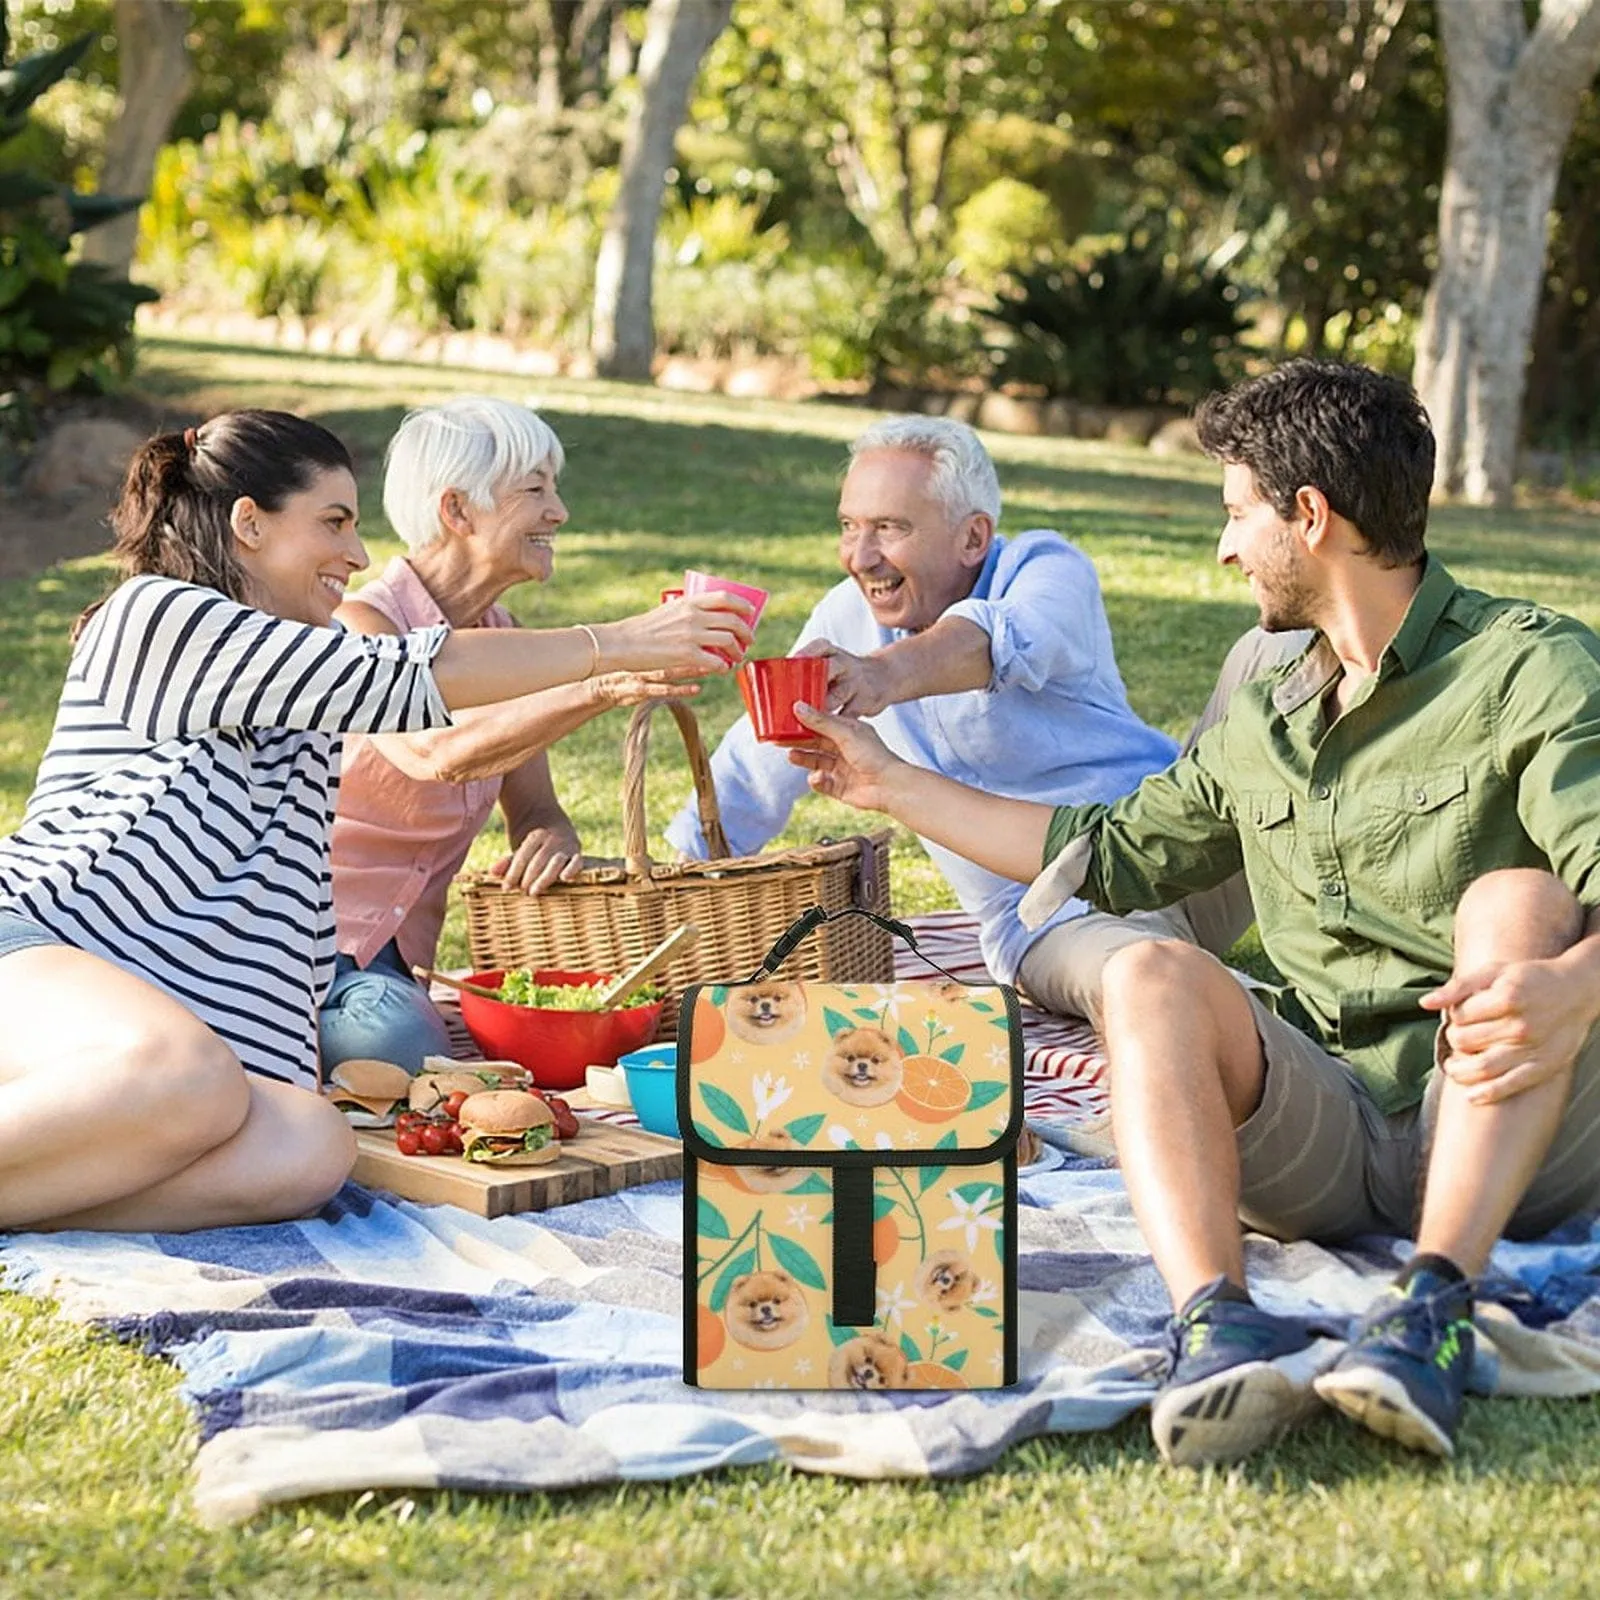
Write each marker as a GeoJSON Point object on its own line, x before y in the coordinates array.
{"type": "Point", "coordinates": [566, 1118]}
{"type": "Point", "coordinates": [434, 1139]}
{"type": "Point", "coordinates": [453, 1146]}
{"type": "Point", "coordinates": [409, 1119]}
{"type": "Point", "coordinates": [453, 1103]}
{"type": "Point", "coordinates": [408, 1142]}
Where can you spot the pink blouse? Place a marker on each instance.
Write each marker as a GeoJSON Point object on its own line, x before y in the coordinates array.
{"type": "Point", "coordinates": [398, 841]}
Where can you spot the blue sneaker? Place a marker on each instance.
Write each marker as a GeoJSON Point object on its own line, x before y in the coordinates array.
{"type": "Point", "coordinates": [1240, 1377]}
{"type": "Point", "coordinates": [1405, 1372]}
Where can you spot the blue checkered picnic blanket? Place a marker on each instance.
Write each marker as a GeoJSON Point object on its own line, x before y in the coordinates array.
{"type": "Point", "coordinates": [389, 1345]}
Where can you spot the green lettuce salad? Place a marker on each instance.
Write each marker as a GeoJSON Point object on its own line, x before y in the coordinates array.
{"type": "Point", "coordinates": [517, 988]}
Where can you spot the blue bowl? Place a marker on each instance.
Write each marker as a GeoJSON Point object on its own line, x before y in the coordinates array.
{"type": "Point", "coordinates": [652, 1075]}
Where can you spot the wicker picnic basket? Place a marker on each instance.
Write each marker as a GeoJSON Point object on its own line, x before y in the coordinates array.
{"type": "Point", "coordinates": [612, 914]}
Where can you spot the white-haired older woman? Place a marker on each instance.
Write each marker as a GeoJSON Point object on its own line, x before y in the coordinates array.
{"type": "Point", "coordinates": [470, 486]}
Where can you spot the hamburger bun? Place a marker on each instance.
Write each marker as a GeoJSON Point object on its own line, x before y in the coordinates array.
{"type": "Point", "coordinates": [498, 1125]}
{"type": "Point", "coordinates": [368, 1091]}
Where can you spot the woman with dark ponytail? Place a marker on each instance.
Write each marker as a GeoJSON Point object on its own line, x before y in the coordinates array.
{"type": "Point", "coordinates": [166, 925]}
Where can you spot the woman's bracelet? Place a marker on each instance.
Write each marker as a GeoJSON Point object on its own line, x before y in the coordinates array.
{"type": "Point", "coordinates": [594, 650]}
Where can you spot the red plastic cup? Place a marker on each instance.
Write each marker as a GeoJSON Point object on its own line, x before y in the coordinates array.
{"type": "Point", "coordinates": [770, 688]}
{"type": "Point", "coordinates": [708, 583]}
{"type": "Point", "coordinates": [671, 594]}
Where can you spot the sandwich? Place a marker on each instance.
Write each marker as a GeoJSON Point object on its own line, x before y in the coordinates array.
{"type": "Point", "coordinates": [369, 1092]}
{"type": "Point", "coordinates": [508, 1128]}
{"type": "Point", "coordinates": [430, 1089]}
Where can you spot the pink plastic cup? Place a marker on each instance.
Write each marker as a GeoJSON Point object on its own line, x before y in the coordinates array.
{"type": "Point", "coordinates": [771, 687]}
{"type": "Point", "coordinates": [707, 583]}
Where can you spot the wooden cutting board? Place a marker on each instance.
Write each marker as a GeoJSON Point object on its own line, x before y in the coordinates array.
{"type": "Point", "coordinates": [601, 1160]}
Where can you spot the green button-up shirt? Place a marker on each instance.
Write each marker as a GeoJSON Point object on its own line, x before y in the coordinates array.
{"type": "Point", "coordinates": [1475, 746]}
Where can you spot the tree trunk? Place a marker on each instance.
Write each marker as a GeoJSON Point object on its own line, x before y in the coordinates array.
{"type": "Point", "coordinates": [677, 35]}
{"type": "Point", "coordinates": [153, 63]}
{"type": "Point", "coordinates": [1513, 97]}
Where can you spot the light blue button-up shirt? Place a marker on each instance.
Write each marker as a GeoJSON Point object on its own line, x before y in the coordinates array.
{"type": "Point", "coordinates": [1053, 725]}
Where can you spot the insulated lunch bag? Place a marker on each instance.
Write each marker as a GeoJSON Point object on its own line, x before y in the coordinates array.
{"type": "Point", "coordinates": [850, 1179]}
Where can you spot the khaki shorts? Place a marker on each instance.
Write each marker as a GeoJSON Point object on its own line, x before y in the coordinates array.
{"type": "Point", "coordinates": [1319, 1160]}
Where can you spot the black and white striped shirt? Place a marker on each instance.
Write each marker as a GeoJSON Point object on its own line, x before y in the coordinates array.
{"type": "Point", "coordinates": [179, 824]}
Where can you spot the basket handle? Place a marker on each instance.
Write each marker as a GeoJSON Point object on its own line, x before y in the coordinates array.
{"type": "Point", "coordinates": [814, 917]}
{"type": "Point", "coordinates": [634, 751]}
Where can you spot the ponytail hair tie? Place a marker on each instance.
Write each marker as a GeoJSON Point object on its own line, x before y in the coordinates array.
{"type": "Point", "coordinates": [191, 440]}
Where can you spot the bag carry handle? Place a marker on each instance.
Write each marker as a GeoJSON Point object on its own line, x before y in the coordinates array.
{"type": "Point", "coordinates": [815, 917]}
{"type": "Point", "coordinates": [635, 849]}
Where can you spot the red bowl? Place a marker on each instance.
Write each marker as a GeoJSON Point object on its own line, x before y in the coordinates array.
{"type": "Point", "coordinates": [557, 1047]}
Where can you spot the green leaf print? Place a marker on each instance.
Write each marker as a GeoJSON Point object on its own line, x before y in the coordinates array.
{"type": "Point", "coordinates": [988, 1195]}
{"type": "Point", "coordinates": [718, 993]}
{"type": "Point", "coordinates": [839, 1336]}
{"type": "Point", "coordinates": [813, 1183]}
{"type": "Point", "coordinates": [929, 1177]}
{"type": "Point", "coordinates": [836, 1021]}
{"type": "Point", "coordinates": [909, 1345]}
{"type": "Point", "coordinates": [948, 1141]}
{"type": "Point", "coordinates": [742, 1263]}
{"type": "Point", "coordinates": [724, 1107]}
{"type": "Point", "coordinates": [954, 1054]}
{"type": "Point", "coordinates": [1002, 1023]}
{"type": "Point", "coordinates": [956, 1360]}
{"type": "Point", "coordinates": [797, 1261]}
{"type": "Point", "coordinates": [983, 1006]}
{"type": "Point", "coordinates": [985, 1311]}
{"type": "Point", "coordinates": [804, 1129]}
{"type": "Point", "coordinates": [907, 1042]}
{"type": "Point", "coordinates": [983, 1093]}
{"type": "Point", "coordinates": [711, 1223]}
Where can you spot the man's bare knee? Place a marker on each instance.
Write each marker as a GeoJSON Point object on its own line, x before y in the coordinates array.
{"type": "Point", "coordinates": [1153, 973]}
{"type": "Point", "coordinates": [1516, 913]}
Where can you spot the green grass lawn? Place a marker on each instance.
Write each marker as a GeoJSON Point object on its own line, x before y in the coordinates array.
{"type": "Point", "coordinates": [95, 1442]}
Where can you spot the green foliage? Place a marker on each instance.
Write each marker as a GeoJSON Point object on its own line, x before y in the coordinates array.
{"type": "Point", "coordinates": [1006, 226]}
{"type": "Point", "coordinates": [1132, 327]}
{"type": "Point", "coordinates": [61, 323]}
{"type": "Point", "coordinates": [280, 264]}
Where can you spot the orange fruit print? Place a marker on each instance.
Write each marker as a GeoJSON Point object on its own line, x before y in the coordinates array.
{"type": "Point", "coordinates": [885, 1240]}
{"type": "Point", "coordinates": [709, 1030]}
{"type": "Point", "coordinates": [709, 1335]}
{"type": "Point", "coordinates": [932, 1090]}
{"type": "Point", "coordinates": [933, 1375]}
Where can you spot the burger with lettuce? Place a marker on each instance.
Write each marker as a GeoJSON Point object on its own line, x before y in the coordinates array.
{"type": "Point", "coordinates": [507, 1128]}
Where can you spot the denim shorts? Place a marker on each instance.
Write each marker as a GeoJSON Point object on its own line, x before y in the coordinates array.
{"type": "Point", "coordinates": [18, 933]}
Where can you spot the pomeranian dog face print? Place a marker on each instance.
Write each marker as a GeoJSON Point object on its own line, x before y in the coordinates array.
{"type": "Point", "coordinates": [850, 1185]}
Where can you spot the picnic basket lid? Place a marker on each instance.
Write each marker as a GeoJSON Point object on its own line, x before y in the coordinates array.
{"type": "Point", "coordinates": [811, 1074]}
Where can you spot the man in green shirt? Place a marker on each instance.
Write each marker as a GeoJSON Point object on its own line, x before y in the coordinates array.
{"type": "Point", "coordinates": [1413, 802]}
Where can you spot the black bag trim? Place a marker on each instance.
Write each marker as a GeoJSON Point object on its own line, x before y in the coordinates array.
{"type": "Point", "coordinates": [855, 1274]}
{"type": "Point", "coordinates": [696, 1145]}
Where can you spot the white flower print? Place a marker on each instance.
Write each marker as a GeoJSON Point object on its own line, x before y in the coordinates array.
{"type": "Point", "coordinates": [882, 1140]}
{"type": "Point", "coordinates": [769, 1095]}
{"type": "Point", "coordinates": [997, 1359]}
{"type": "Point", "coordinates": [969, 1217]}
{"type": "Point", "coordinates": [801, 1059]}
{"type": "Point", "coordinates": [802, 1367]}
{"type": "Point", "coordinates": [800, 1217]}
{"type": "Point", "coordinates": [893, 1305]}
{"type": "Point", "coordinates": [985, 1291]}
{"type": "Point", "coordinates": [999, 1055]}
{"type": "Point", "coordinates": [841, 1137]}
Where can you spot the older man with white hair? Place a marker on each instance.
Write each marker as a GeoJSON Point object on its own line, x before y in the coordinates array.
{"type": "Point", "coordinates": [987, 658]}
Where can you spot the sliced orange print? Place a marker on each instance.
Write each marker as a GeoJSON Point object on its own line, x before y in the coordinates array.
{"type": "Point", "coordinates": [932, 1090]}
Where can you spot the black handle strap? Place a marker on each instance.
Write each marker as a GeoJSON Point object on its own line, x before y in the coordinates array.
{"type": "Point", "coordinates": [810, 920]}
